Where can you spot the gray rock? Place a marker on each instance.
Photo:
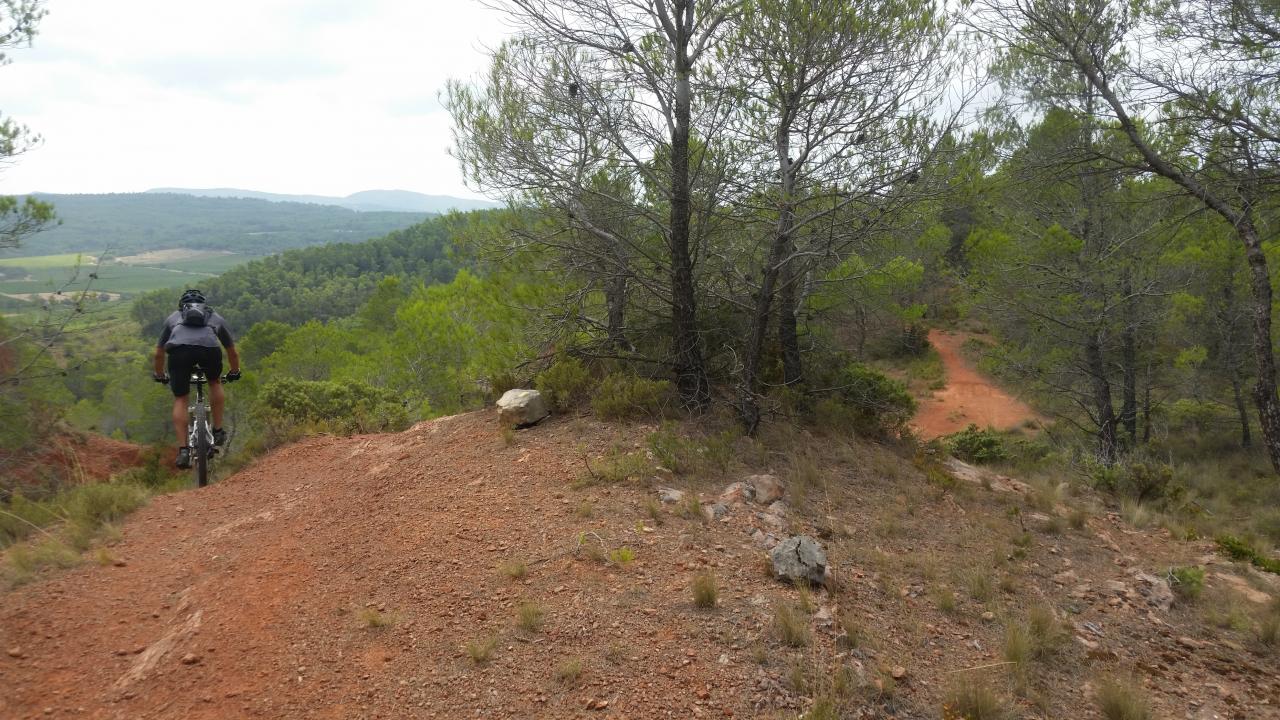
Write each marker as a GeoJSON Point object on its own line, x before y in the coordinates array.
{"type": "Point", "coordinates": [736, 493]}
{"type": "Point", "coordinates": [768, 541]}
{"type": "Point", "coordinates": [799, 558]}
{"type": "Point", "coordinates": [767, 488]}
{"type": "Point", "coordinates": [778, 508]}
{"type": "Point", "coordinates": [771, 521]}
{"type": "Point", "coordinates": [1155, 589]}
{"type": "Point", "coordinates": [715, 511]}
{"type": "Point", "coordinates": [521, 408]}
{"type": "Point", "coordinates": [670, 495]}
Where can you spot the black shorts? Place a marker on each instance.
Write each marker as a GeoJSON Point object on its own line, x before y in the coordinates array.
{"type": "Point", "coordinates": [185, 358]}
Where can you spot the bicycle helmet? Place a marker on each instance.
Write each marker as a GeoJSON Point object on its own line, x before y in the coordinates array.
{"type": "Point", "coordinates": [191, 296]}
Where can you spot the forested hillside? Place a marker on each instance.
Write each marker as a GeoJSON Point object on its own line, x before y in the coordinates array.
{"type": "Point", "coordinates": [131, 223]}
{"type": "Point", "coordinates": [317, 283]}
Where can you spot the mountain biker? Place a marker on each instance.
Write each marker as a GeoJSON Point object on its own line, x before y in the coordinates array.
{"type": "Point", "coordinates": [191, 338]}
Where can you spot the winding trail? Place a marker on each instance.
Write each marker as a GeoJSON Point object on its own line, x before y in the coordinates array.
{"type": "Point", "coordinates": [969, 396]}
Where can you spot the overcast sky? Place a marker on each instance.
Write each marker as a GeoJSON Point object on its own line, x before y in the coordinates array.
{"type": "Point", "coordinates": [291, 96]}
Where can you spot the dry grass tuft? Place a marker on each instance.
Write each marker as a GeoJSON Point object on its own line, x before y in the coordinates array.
{"type": "Point", "coordinates": [530, 616]}
{"type": "Point", "coordinates": [705, 590]}
{"type": "Point", "coordinates": [514, 569]}
{"type": "Point", "coordinates": [792, 624]}
{"type": "Point", "coordinates": [569, 671]}
{"type": "Point", "coordinates": [973, 700]}
{"type": "Point", "coordinates": [1121, 699]}
{"type": "Point", "coordinates": [481, 650]}
{"type": "Point", "coordinates": [374, 618]}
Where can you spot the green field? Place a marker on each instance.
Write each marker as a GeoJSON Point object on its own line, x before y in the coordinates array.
{"type": "Point", "coordinates": [71, 273]}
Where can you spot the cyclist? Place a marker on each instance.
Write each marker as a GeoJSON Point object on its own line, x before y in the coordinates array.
{"type": "Point", "coordinates": [191, 338]}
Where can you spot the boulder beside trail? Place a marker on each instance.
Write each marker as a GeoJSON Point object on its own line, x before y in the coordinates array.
{"type": "Point", "coordinates": [521, 408]}
{"type": "Point", "coordinates": [799, 558]}
{"type": "Point", "coordinates": [768, 488]}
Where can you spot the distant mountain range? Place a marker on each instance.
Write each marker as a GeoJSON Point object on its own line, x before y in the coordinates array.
{"type": "Point", "coordinates": [364, 201]}
{"type": "Point", "coordinates": [131, 223]}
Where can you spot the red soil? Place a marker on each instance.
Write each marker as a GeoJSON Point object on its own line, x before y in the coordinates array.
{"type": "Point", "coordinates": [73, 457]}
{"type": "Point", "coordinates": [968, 397]}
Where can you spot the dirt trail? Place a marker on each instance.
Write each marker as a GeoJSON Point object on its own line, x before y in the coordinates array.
{"type": "Point", "coordinates": [244, 599]}
{"type": "Point", "coordinates": [969, 397]}
{"type": "Point", "coordinates": [247, 599]}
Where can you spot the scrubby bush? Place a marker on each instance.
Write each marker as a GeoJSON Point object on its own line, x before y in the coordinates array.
{"type": "Point", "coordinates": [564, 384]}
{"type": "Point", "coordinates": [1187, 582]}
{"type": "Point", "coordinates": [1238, 549]}
{"type": "Point", "coordinates": [976, 445]}
{"type": "Point", "coordinates": [622, 396]}
{"type": "Point", "coordinates": [864, 401]}
{"type": "Point", "coordinates": [1138, 481]}
{"type": "Point", "coordinates": [342, 407]}
{"type": "Point", "coordinates": [154, 472]}
{"type": "Point", "coordinates": [688, 455]}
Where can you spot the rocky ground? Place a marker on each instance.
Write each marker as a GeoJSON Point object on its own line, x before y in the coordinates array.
{"type": "Point", "coordinates": [452, 570]}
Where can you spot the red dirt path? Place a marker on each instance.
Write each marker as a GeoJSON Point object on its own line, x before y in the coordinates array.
{"type": "Point", "coordinates": [969, 397]}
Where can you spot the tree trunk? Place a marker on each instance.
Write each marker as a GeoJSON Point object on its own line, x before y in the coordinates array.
{"type": "Point", "coordinates": [788, 333]}
{"type": "Point", "coordinates": [1102, 401]}
{"type": "Point", "coordinates": [615, 298]}
{"type": "Point", "coordinates": [1146, 407]}
{"type": "Point", "coordinates": [1264, 391]}
{"type": "Point", "coordinates": [749, 401]}
{"type": "Point", "coordinates": [1129, 363]}
{"type": "Point", "coordinates": [691, 372]}
{"type": "Point", "coordinates": [1242, 412]}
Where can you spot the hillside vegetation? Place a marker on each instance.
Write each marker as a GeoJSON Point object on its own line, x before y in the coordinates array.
{"type": "Point", "coordinates": [743, 245]}
{"type": "Point", "coordinates": [131, 223]}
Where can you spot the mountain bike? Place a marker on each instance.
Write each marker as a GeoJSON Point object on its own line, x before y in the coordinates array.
{"type": "Point", "coordinates": [200, 430]}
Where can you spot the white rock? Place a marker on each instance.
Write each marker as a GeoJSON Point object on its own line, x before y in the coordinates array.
{"type": "Point", "coordinates": [521, 408]}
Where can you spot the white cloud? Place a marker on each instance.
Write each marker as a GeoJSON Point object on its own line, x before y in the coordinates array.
{"type": "Point", "coordinates": [293, 96]}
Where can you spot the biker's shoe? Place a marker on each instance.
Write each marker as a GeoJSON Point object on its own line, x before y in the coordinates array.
{"type": "Point", "coordinates": [219, 437]}
{"type": "Point", "coordinates": [184, 458]}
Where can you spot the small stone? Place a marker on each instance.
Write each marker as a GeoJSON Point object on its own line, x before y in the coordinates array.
{"type": "Point", "coordinates": [898, 672]}
{"type": "Point", "coordinates": [190, 659]}
{"type": "Point", "coordinates": [1189, 643]}
{"type": "Point", "coordinates": [15, 652]}
{"type": "Point", "coordinates": [715, 511]}
{"type": "Point", "coordinates": [670, 495]}
{"type": "Point", "coordinates": [119, 563]}
{"type": "Point", "coordinates": [988, 616]}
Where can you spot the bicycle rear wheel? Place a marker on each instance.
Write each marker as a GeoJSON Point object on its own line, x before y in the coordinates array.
{"type": "Point", "coordinates": [201, 447]}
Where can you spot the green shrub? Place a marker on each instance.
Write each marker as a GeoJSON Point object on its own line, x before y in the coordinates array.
{"type": "Point", "coordinates": [685, 455]}
{"type": "Point", "coordinates": [622, 396]}
{"type": "Point", "coordinates": [564, 384]}
{"type": "Point", "coordinates": [1137, 481]}
{"type": "Point", "coordinates": [1187, 582]}
{"type": "Point", "coordinates": [866, 402]}
{"type": "Point", "coordinates": [343, 407]}
{"type": "Point", "coordinates": [1238, 549]}
{"type": "Point", "coordinates": [976, 445]}
{"type": "Point", "coordinates": [615, 466]}
{"type": "Point", "coordinates": [154, 472]}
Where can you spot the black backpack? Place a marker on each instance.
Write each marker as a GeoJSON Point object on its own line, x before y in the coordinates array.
{"type": "Point", "coordinates": [196, 314]}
